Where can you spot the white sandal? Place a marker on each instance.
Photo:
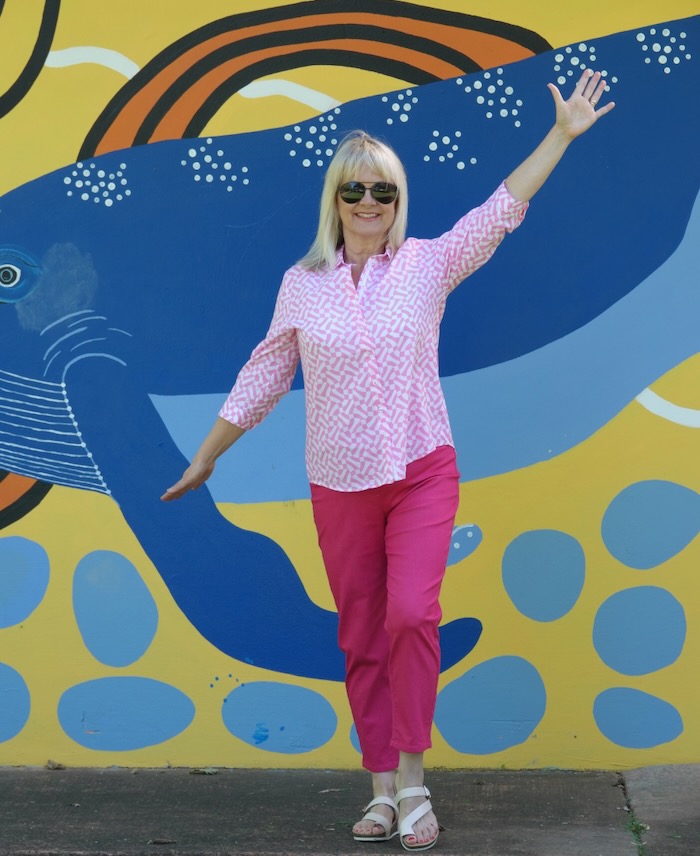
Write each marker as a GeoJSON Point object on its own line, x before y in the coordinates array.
{"type": "Point", "coordinates": [406, 825]}
{"type": "Point", "coordinates": [389, 827]}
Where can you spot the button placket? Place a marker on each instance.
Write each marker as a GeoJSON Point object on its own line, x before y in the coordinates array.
{"type": "Point", "coordinates": [374, 376]}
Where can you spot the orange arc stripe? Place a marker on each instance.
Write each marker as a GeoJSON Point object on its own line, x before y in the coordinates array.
{"type": "Point", "coordinates": [175, 122]}
{"type": "Point", "coordinates": [12, 488]}
{"type": "Point", "coordinates": [484, 48]}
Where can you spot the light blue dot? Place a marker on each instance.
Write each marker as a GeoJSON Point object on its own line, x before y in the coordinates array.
{"type": "Point", "coordinates": [636, 720]}
{"type": "Point", "coordinates": [543, 573]}
{"type": "Point", "coordinates": [123, 713]}
{"type": "Point", "coordinates": [14, 703]}
{"type": "Point", "coordinates": [279, 717]}
{"type": "Point", "coordinates": [495, 705]}
{"type": "Point", "coordinates": [115, 611]}
{"type": "Point", "coordinates": [465, 539]}
{"type": "Point", "coordinates": [24, 577]}
{"type": "Point", "coordinates": [639, 630]}
{"type": "Point", "coordinates": [354, 739]}
{"type": "Point", "coordinates": [650, 522]}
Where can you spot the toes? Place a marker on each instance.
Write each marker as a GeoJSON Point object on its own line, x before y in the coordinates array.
{"type": "Point", "coordinates": [367, 829]}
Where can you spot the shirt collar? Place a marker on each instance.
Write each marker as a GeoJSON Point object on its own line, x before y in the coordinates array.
{"type": "Point", "coordinates": [387, 255]}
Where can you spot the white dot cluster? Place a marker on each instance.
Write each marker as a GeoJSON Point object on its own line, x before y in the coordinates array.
{"type": "Point", "coordinates": [209, 165]}
{"type": "Point", "coordinates": [88, 182]}
{"type": "Point", "coordinates": [444, 148]}
{"type": "Point", "coordinates": [664, 47]}
{"type": "Point", "coordinates": [577, 58]}
{"type": "Point", "coordinates": [490, 91]}
{"type": "Point", "coordinates": [400, 104]}
{"type": "Point", "coordinates": [315, 143]}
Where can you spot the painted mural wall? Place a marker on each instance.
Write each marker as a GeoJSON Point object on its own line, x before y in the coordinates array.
{"type": "Point", "coordinates": [160, 168]}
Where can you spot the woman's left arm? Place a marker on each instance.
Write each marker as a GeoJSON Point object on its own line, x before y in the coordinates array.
{"type": "Point", "coordinates": [573, 118]}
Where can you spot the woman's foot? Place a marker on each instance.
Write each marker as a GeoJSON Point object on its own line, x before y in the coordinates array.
{"type": "Point", "coordinates": [369, 828]}
{"type": "Point", "coordinates": [425, 828]}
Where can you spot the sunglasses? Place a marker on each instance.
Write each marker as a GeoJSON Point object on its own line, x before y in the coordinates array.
{"type": "Point", "coordinates": [354, 191]}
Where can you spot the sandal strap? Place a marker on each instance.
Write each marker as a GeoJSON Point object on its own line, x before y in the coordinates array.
{"type": "Point", "coordinates": [420, 791]}
{"type": "Point", "coordinates": [382, 800]}
{"type": "Point", "coordinates": [377, 818]}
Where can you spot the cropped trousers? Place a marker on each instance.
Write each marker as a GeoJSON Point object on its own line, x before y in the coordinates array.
{"type": "Point", "coordinates": [385, 551]}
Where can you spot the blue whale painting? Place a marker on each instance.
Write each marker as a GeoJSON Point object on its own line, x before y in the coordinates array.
{"type": "Point", "coordinates": [135, 284]}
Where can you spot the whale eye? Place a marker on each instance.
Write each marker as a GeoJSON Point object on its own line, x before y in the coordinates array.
{"type": "Point", "coordinates": [9, 275]}
{"type": "Point", "coordinates": [19, 273]}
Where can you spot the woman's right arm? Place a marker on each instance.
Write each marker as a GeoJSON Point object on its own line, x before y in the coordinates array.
{"type": "Point", "coordinates": [221, 437]}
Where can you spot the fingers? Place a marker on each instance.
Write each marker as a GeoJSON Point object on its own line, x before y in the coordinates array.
{"type": "Point", "coordinates": [556, 94]}
{"type": "Point", "coordinates": [178, 490]}
{"type": "Point", "coordinates": [591, 86]}
{"type": "Point", "coordinates": [606, 109]}
{"type": "Point", "coordinates": [583, 82]}
{"type": "Point", "coordinates": [174, 492]}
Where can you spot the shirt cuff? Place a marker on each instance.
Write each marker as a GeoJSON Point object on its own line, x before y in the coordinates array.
{"type": "Point", "coordinates": [236, 416]}
{"type": "Point", "coordinates": [512, 210]}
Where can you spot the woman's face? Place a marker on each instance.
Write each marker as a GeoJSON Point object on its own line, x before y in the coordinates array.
{"type": "Point", "coordinates": [366, 221]}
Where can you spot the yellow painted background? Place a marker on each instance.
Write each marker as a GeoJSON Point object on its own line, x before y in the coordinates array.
{"type": "Point", "coordinates": [569, 493]}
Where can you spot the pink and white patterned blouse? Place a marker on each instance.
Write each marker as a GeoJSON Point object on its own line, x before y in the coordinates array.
{"type": "Point", "coordinates": [369, 354]}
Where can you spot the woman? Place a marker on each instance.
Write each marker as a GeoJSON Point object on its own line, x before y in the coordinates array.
{"type": "Point", "coordinates": [362, 311]}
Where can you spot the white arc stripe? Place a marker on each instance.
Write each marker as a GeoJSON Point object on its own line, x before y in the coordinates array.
{"type": "Point", "coordinates": [672, 412]}
{"type": "Point", "coordinates": [96, 56]}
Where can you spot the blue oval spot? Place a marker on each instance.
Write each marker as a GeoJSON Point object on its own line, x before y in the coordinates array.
{"type": "Point", "coordinates": [279, 717]}
{"type": "Point", "coordinates": [636, 720]}
{"type": "Point", "coordinates": [355, 739]}
{"type": "Point", "coordinates": [15, 703]}
{"type": "Point", "coordinates": [465, 539]}
{"type": "Point", "coordinates": [115, 611]}
{"type": "Point", "coordinates": [24, 576]}
{"type": "Point", "coordinates": [649, 522]}
{"type": "Point", "coordinates": [639, 630]}
{"type": "Point", "coordinates": [495, 705]}
{"type": "Point", "coordinates": [543, 573]}
{"type": "Point", "coordinates": [123, 713]}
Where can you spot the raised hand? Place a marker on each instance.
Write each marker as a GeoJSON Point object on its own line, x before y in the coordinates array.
{"type": "Point", "coordinates": [580, 111]}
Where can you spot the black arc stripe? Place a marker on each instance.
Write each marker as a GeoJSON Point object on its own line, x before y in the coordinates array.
{"type": "Point", "coordinates": [292, 60]}
{"type": "Point", "coordinates": [314, 56]}
{"type": "Point", "coordinates": [11, 98]}
{"type": "Point", "coordinates": [24, 504]}
{"type": "Point", "coordinates": [297, 11]}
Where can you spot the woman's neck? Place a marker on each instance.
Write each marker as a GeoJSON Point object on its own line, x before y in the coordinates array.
{"type": "Point", "coordinates": [356, 253]}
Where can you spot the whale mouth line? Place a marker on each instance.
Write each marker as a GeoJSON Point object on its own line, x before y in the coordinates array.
{"type": "Point", "coordinates": [40, 437]}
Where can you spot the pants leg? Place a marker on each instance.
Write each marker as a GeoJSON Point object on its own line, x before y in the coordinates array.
{"type": "Point", "coordinates": [385, 551]}
{"type": "Point", "coordinates": [418, 534]}
{"type": "Point", "coordinates": [351, 537]}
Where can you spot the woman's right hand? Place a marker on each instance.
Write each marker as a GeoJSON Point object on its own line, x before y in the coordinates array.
{"type": "Point", "coordinates": [194, 476]}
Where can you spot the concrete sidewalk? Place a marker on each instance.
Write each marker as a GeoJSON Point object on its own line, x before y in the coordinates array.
{"type": "Point", "coordinates": [168, 812]}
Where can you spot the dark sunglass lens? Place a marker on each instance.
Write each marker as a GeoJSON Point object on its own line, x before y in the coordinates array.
{"type": "Point", "coordinates": [384, 192]}
{"type": "Point", "coordinates": [351, 191]}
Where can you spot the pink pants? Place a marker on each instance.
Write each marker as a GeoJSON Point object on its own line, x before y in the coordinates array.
{"type": "Point", "coordinates": [385, 551]}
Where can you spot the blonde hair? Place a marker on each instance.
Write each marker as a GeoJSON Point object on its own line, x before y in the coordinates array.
{"type": "Point", "coordinates": [357, 151]}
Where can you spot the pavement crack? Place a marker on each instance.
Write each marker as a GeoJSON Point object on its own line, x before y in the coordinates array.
{"type": "Point", "coordinates": [634, 825]}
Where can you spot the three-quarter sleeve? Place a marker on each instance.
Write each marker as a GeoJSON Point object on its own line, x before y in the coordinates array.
{"type": "Point", "coordinates": [473, 239]}
{"type": "Point", "coordinates": [269, 372]}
